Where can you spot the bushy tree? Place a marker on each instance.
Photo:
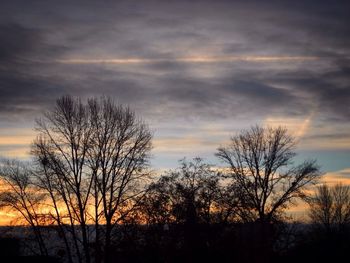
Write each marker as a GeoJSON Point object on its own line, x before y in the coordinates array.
{"type": "Point", "coordinates": [188, 194]}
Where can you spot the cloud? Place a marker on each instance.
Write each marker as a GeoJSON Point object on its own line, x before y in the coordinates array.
{"type": "Point", "coordinates": [198, 59]}
{"type": "Point", "coordinates": [296, 126]}
{"type": "Point", "coordinates": [163, 41]}
{"type": "Point", "coordinates": [182, 64]}
{"type": "Point", "coordinates": [333, 178]}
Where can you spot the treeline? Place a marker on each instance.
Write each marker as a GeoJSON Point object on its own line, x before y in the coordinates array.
{"type": "Point", "coordinates": [90, 181]}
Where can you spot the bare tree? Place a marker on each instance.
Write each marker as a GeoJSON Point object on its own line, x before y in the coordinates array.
{"type": "Point", "coordinates": [118, 159]}
{"type": "Point", "coordinates": [259, 162]}
{"type": "Point", "coordinates": [90, 161]}
{"type": "Point", "coordinates": [21, 196]}
{"type": "Point", "coordinates": [330, 206]}
{"type": "Point", "coordinates": [56, 201]}
{"type": "Point", "coordinates": [61, 150]}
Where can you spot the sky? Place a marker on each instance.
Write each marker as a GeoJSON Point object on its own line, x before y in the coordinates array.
{"type": "Point", "coordinates": [197, 72]}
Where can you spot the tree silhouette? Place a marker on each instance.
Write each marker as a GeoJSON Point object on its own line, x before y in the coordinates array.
{"type": "Point", "coordinates": [188, 194]}
{"type": "Point", "coordinates": [21, 196]}
{"type": "Point", "coordinates": [90, 175]}
{"type": "Point", "coordinates": [186, 198]}
{"type": "Point", "coordinates": [90, 160]}
{"type": "Point", "coordinates": [118, 160]}
{"type": "Point", "coordinates": [259, 162]}
{"type": "Point", "coordinates": [330, 207]}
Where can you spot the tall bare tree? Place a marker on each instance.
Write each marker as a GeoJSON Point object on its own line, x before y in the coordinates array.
{"type": "Point", "coordinates": [91, 158]}
{"type": "Point", "coordinates": [61, 149]}
{"type": "Point", "coordinates": [118, 160]}
{"type": "Point", "coordinates": [260, 167]}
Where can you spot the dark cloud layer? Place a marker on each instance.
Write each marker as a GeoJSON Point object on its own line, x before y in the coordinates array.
{"type": "Point", "coordinates": [35, 36]}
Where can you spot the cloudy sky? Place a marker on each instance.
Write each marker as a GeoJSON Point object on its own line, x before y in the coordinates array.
{"type": "Point", "coordinates": [196, 71]}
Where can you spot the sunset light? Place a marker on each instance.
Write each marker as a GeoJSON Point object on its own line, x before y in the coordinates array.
{"type": "Point", "coordinates": [174, 131]}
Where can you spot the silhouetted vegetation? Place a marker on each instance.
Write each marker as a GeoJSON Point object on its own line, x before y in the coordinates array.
{"type": "Point", "coordinates": [330, 207]}
{"type": "Point", "coordinates": [259, 162]}
{"type": "Point", "coordinates": [88, 195]}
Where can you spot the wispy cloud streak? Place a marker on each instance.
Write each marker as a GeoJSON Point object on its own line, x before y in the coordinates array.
{"type": "Point", "coordinates": [197, 59]}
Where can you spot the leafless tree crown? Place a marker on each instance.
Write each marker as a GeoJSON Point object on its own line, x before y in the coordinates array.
{"type": "Point", "coordinates": [330, 206]}
{"type": "Point", "coordinates": [259, 162]}
{"type": "Point", "coordinates": [91, 159]}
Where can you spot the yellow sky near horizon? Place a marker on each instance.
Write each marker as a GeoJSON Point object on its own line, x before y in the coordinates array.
{"type": "Point", "coordinates": [297, 212]}
{"type": "Point", "coordinates": [300, 210]}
